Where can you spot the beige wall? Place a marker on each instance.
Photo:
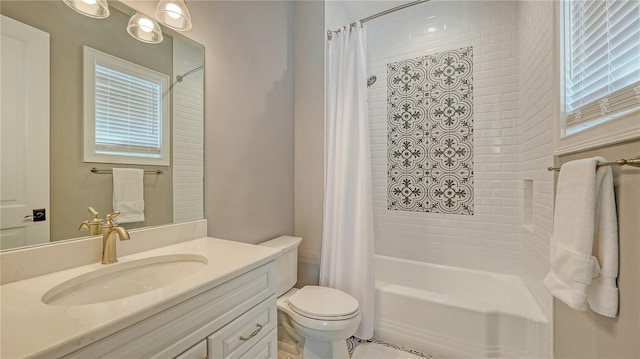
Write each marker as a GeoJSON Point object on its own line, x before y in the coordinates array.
{"type": "Point", "coordinates": [309, 135]}
{"type": "Point", "coordinates": [587, 334]}
{"type": "Point", "coordinates": [248, 118]}
{"type": "Point", "coordinates": [73, 188]}
{"type": "Point", "coordinates": [249, 149]}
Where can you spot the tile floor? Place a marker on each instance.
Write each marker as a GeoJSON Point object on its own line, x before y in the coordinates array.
{"type": "Point", "coordinates": [376, 349]}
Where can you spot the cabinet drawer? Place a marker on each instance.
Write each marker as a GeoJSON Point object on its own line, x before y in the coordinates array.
{"type": "Point", "coordinates": [266, 348]}
{"type": "Point", "coordinates": [198, 351]}
{"type": "Point", "coordinates": [244, 332]}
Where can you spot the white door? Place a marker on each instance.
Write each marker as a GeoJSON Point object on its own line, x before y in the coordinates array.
{"type": "Point", "coordinates": [24, 133]}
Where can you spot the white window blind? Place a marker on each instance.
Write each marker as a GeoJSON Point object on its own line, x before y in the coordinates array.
{"type": "Point", "coordinates": [127, 114]}
{"type": "Point", "coordinates": [602, 59]}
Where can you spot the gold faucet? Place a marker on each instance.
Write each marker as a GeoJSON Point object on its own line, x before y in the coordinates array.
{"type": "Point", "coordinates": [93, 226]}
{"type": "Point", "coordinates": [109, 231]}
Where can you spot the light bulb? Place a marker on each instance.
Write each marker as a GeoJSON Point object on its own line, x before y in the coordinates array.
{"type": "Point", "coordinates": [173, 14]}
{"type": "Point", "coordinates": [97, 9]}
{"type": "Point", "coordinates": [173, 10]}
{"type": "Point", "coordinates": [145, 24]}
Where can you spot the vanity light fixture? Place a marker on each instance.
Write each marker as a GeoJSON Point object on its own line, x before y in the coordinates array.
{"type": "Point", "coordinates": [174, 14]}
{"type": "Point", "coordinates": [144, 28]}
{"type": "Point", "coordinates": [97, 9]}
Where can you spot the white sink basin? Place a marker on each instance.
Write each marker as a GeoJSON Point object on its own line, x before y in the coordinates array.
{"type": "Point", "coordinates": [125, 279]}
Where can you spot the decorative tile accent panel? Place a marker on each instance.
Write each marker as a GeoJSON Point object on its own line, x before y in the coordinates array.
{"type": "Point", "coordinates": [430, 133]}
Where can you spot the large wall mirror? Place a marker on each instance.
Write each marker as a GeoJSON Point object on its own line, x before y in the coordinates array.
{"type": "Point", "coordinates": [42, 122]}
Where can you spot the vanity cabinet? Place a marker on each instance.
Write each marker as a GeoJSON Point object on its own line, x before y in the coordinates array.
{"type": "Point", "coordinates": [236, 319]}
{"type": "Point", "coordinates": [198, 351]}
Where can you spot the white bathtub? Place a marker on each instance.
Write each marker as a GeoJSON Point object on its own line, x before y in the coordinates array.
{"type": "Point", "coordinates": [455, 312]}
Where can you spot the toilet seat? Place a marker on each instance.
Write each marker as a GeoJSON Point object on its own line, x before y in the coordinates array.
{"type": "Point", "coordinates": [323, 303]}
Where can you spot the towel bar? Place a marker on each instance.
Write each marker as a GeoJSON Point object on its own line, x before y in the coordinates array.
{"type": "Point", "coordinates": [95, 170]}
{"type": "Point", "coordinates": [635, 162]}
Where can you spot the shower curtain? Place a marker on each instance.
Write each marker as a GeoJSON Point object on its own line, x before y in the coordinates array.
{"type": "Point", "coordinates": [347, 238]}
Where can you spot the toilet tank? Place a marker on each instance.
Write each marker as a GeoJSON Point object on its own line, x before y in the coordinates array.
{"type": "Point", "coordinates": [287, 264]}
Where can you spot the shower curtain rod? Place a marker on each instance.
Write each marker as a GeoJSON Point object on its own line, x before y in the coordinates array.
{"type": "Point", "coordinates": [179, 78]}
{"type": "Point", "coordinates": [375, 16]}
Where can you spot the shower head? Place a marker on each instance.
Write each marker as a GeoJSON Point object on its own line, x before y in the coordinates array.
{"type": "Point", "coordinates": [371, 80]}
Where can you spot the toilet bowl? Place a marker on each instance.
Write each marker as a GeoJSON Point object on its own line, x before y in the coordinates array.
{"type": "Point", "coordinates": [321, 319]}
{"type": "Point", "coordinates": [318, 320]}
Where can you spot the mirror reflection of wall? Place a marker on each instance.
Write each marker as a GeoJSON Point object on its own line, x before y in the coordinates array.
{"type": "Point", "coordinates": [175, 195]}
{"type": "Point", "coordinates": [188, 139]}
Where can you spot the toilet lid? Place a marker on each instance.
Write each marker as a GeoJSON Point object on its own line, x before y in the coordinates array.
{"type": "Point", "coordinates": [323, 303]}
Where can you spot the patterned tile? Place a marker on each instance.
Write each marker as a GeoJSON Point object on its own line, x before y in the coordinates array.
{"type": "Point", "coordinates": [394, 135]}
{"type": "Point", "coordinates": [407, 77]}
{"type": "Point", "coordinates": [395, 114]}
{"type": "Point", "coordinates": [430, 133]}
{"type": "Point", "coordinates": [451, 195]}
{"type": "Point", "coordinates": [450, 151]}
{"type": "Point", "coordinates": [412, 113]}
{"type": "Point", "coordinates": [448, 69]}
{"type": "Point", "coordinates": [462, 184]}
{"type": "Point", "coordinates": [410, 153]}
{"type": "Point", "coordinates": [353, 342]}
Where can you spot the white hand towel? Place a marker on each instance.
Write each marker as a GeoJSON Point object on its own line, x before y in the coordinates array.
{"type": "Point", "coordinates": [128, 194]}
{"type": "Point", "coordinates": [603, 292]}
{"type": "Point", "coordinates": [585, 207]}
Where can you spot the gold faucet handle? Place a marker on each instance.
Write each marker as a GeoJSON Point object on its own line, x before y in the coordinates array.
{"type": "Point", "coordinates": [95, 217]}
{"type": "Point", "coordinates": [109, 219]}
{"type": "Point", "coordinates": [84, 226]}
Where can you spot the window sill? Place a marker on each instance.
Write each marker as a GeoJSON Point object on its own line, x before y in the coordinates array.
{"type": "Point", "coordinates": [127, 160]}
{"type": "Point", "coordinates": [614, 131]}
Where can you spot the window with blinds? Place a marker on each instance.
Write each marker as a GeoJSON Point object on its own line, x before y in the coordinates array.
{"type": "Point", "coordinates": [601, 61]}
{"type": "Point", "coordinates": [127, 116]}
{"type": "Point", "coordinates": [125, 112]}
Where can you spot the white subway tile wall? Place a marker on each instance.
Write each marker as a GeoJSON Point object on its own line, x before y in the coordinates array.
{"type": "Point", "coordinates": [536, 141]}
{"type": "Point", "coordinates": [188, 138]}
{"type": "Point", "coordinates": [490, 238]}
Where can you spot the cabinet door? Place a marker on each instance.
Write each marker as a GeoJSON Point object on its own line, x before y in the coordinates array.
{"type": "Point", "coordinates": [267, 348]}
{"type": "Point", "coordinates": [198, 351]}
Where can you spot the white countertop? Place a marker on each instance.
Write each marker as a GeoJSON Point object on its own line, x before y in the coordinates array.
{"type": "Point", "coordinates": [31, 328]}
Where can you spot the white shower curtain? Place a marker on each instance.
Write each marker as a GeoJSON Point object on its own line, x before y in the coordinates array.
{"type": "Point", "coordinates": [347, 238]}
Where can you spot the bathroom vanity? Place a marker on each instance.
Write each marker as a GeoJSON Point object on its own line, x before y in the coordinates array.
{"type": "Point", "coordinates": [201, 298]}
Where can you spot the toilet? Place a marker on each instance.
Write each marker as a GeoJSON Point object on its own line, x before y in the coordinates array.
{"type": "Point", "coordinates": [313, 322]}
